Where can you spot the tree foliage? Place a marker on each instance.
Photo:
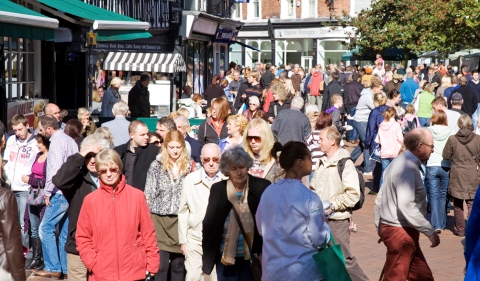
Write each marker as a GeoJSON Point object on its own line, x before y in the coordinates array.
{"type": "Point", "coordinates": [416, 26]}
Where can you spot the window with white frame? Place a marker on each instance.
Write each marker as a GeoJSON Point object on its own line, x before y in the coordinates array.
{"type": "Point", "coordinates": [19, 68]}
{"type": "Point", "coordinates": [312, 5]}
{"type": "Point", "coordinates": [237, 14]}
{"type": "Point", "coordinates": [256, 8]}
{"type": "Point", "coordinates": [290, 7]}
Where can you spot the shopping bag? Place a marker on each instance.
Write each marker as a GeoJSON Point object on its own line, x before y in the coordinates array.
{"type": "Point", "coordinates": [375, 154]}
{"type": "Point", "coordinates": [331, 263]}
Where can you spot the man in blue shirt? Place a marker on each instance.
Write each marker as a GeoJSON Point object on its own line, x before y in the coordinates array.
{"type": "Point", "coordinates": [407, 90]}
{"type": "Point", "coordinates": [448, 91]}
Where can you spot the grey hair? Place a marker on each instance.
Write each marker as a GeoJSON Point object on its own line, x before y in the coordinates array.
{"type": "Point", "coordinates": [182, 119]}
{"type": "Point", "coordinates": [297, 102]}
{"type": "Point", "coordinates": [254, 99]}
{"type": "Point", "coordinates": [120, 108]}
{"type": "Point", "coordinates": [97, 140]}
{"type": "Point", "coordinates": [211, 145]}
{"type": "Point", "coordinates": [311, 108]}
{"type": "Point", "coordinates": [235, 157]}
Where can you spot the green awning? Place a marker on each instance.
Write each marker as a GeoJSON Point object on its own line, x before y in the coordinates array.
{"type": "Point", "coordinates": [19, 22]}
{"type": "Point", "coordinates": [109, 26]}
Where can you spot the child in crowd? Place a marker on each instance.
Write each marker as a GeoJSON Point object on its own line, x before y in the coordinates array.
{"type": "Point", "coordinates": [389, 137]}
{"type": "Point", "coordinates": [410, 120]}
{"type": "Point", "coordinates": [334, 111]}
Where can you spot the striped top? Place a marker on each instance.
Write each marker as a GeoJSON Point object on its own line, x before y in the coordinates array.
{"type": "Point", "coordinates": [312, 143]}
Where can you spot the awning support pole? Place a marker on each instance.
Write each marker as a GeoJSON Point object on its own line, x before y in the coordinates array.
{"type": "Point", "coordinates": [90, 74]}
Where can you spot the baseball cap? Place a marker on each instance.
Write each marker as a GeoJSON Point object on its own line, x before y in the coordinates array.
{"type": "Point", "coordinates": [456, 96]}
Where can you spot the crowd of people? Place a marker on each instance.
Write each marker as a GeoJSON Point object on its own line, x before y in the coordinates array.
{"type": "Point", "coordinates": [264, 178]}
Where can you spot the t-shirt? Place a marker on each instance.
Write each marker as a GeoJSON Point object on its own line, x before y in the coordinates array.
{"type": "Point", "coordinates": [257, 169]}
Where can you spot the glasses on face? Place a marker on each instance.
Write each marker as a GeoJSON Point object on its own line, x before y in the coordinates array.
{"type": "Point", "coordinates": [252, 104]}
{"type": "Point", "coordinates": [207, 160]}
{"type": "Point", "coordinates": [255, 138]}
{"type": "Point", "coordinates": [112, 170]}
{"type": "Point", "coordinates": [429, 145]}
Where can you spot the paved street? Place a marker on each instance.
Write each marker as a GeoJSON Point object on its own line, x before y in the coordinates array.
{"type": "Point", "coordinates": [446, 260]}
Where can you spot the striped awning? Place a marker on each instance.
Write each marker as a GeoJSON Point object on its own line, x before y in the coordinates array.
{"type": "Point", "coordinates": [166, 63]}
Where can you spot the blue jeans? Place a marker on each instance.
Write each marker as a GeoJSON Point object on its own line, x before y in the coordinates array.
{"type": "Point", "coordinates": [34, 213]}
{"type": "Point", "coordinates": [21, 197]}
{"type": "Point", "coordinates": [361, 128]}
{"type": "Point", "coordinates": [436, 183]}
{"type": "Point", "coordinates": [240, 271]}
{"type": "Point", "coordinates": [424, 122]}
{"type": "Point", "coordinates": [385, 163]}
{"type": "Point", "coordinates": [475, 116]}
{"type": "Point", "coordinates": [352, 134]}
{"type": "Point", "coordinates": [54, 256]}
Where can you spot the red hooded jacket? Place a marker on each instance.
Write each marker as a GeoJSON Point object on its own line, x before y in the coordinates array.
{"type": "Point", "coordinates": [115, 234]}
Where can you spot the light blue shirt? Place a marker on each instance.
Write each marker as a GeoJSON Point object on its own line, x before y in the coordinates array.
{"type": "Point", "coordinates": [291, 220]}
{"type": "Point", "coordinates": [95, 179]}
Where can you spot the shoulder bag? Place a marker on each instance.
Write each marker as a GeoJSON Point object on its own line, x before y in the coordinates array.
{"type": "Point", "coordinates": [254, 261]}
{"type": "Point", "coordinates": [35, 196]}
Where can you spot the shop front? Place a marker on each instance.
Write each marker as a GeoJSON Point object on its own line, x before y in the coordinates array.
{"type": "Point", "coordinates": [297, 43]}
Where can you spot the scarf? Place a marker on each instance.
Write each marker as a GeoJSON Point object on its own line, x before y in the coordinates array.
{"type": "Point", "coordinates": [218, 128]}
{"type": "Point", "coordinates": [231, 241]}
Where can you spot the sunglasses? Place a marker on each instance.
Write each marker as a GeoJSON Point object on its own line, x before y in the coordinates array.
{"type": "Point", "coordinates": [206, 160]}
{"type": "Point", "coordinates": [112, 170]}
{"type": "Point", "coordinates": [252, 104]}
{"type": "Point", "coordinates": [255, 138]}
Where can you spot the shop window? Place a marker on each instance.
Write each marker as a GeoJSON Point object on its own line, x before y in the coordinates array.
{"type": "Point", "coordinates": [18, 68]}
{"type": "Point", "coordinates": [330, 52]}
{"type": "Point", "coordinates": [195, 59]}
{"type": "Point", "coordinates": [236, 53]}
{"type": "Point", "coordinates": [253, 54]}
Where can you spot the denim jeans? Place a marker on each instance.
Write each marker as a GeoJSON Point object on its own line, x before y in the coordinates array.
{"type": "Point", "coordinates": [361, 128]}
{"type": "Point", "coordinates": [34, 214]}
{"type": "Point", "coordinates": [21, 197]}
{"type": "Point", "coordinates": [475, 116]}
{"type": "Point", "coordinates": [424, 122]}
{"type": "Point", "coordinates": [352, 134]}
{"type": "Point", "coordinates": [385, 163]}
{"type": "Point", "coordinates": [54, 256]}
{"type": "Point", "coordinates": [436, 183]}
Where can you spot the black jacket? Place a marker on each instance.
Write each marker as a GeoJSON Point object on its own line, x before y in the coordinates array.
{"type": "Point", "coordinates": [217, 212]}
{"type": "Point", "coordinates": [333, 88]}
{"type": "Point", "coordinates": [144, 156]}
{"type": "Point", "coordinates": [273, 104]}
{"type": "Point", "coordinates": [207, 134]}
{"type": "Point", "coordinates": [469, 100]}
{"type": "Point", "coordinates": [266, 79]}
{"type": "Point", "coordinates": [352, 93]}
{"type": "Point", "coordinates": [75, 182]}
{"type": "Point", "coordinates": [139, 101]}
{"type": "Point", "coordinates": [239, 100]}
{"type": "Point", "coordinates": [196, 148]}
{"type": "Point", "coordinates": [213, 93]}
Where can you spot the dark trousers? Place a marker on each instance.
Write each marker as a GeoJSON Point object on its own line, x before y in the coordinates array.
{"type": "Point", "coordinates": [405, 259]}
{"type": "Point", "coordinates": [173, 261]}
{"type": "Point", "coordinates": [341, 233]}
{"type": "Point", "coordinates": [240, 271]}
{"type": "Point", "coordinates": [459, 215]}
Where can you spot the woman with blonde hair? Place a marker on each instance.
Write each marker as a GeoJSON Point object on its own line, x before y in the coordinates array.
{"type": "Point", "coordinates": [110, 97]}
{"type": "Point", "coordinates": [279, 103]}
{"type": "Point", "coordinates": [258, 141]}
{"type": "Point", "coordinates": [446, 83]}
{"type": "Point", "coordinates": [89, 127]}
{"type": "Point", "coordinates": [162, 190]}
{"type": "Point", "coordinates": [236, 126]}
{"type": "Point", "coordinates": [289, 88]}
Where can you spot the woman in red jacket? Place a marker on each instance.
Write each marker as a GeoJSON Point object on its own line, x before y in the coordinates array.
{"type": "Point", "coordinates": [115, 234]}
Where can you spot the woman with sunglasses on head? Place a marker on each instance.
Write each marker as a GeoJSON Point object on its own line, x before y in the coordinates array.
{"type": "Point", "coordinates": [258, 141]}
{"type": "Point", "coordinates": [163, 190]}
{"type": "Point", "coordinates": [76, 184]}
{"type": "Point", "coordinates": [115, 233]}
{"type": "Point", "coordinates": [304, 226]}
{"type": "Point", "coordinates": [231, 207]}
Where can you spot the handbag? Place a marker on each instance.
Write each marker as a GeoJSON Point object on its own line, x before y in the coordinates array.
{"type": "Point", "coordinates": [331, 262]}
{"type": "Point", "coordinates": [35, 196]}
{"type": "Point", "coordinates": [375, 155]}
{"type": "Point", "coordinates": [255, 264]}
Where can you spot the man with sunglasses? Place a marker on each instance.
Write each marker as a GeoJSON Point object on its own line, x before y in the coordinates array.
{"type": "Point", "coordinates": [193, 205]}
{"type": "Point", "coordinates": [77, 178]}
{"type": "Point", "coordinates": [401, 209]}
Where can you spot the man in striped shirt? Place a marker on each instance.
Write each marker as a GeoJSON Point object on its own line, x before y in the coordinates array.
{"type": "Point", "coordinates": [61, 147]}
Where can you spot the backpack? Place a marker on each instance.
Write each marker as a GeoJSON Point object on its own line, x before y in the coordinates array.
{"type": "Point", "coordinates": [410, 125]}
{"type": "Point", "coordinates": [341, 166]}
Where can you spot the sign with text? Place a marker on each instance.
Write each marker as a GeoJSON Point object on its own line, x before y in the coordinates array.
{"type": "Point", "coordinates": [227, 34]}
{"type": "Point", "coordinates": [131, 47]}
{"type": "Point", "coordinates": [316, 32]}
{"type": "Point", "coordinates": [31, 109]}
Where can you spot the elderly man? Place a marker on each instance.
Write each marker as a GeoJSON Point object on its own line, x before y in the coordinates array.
{"type": "Point", "coordinates": [343, 192]}
{"type": "Point", "coordinates": [183, 125]}
{"type": "Point", "coordinates": [401, 209]}
{"type": "Point", "coordinates": [77, 178]}
{"type": "Point", "coordinates": [61, 147]}
{"type": "Point", "coordinates": [137, 155]}
{"type": "Point", "coordinates": [291, 124]}
{"type": "Point", "coordinates": [193, 205]}
{"type": "Point", "coordinates": [119, 125]}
